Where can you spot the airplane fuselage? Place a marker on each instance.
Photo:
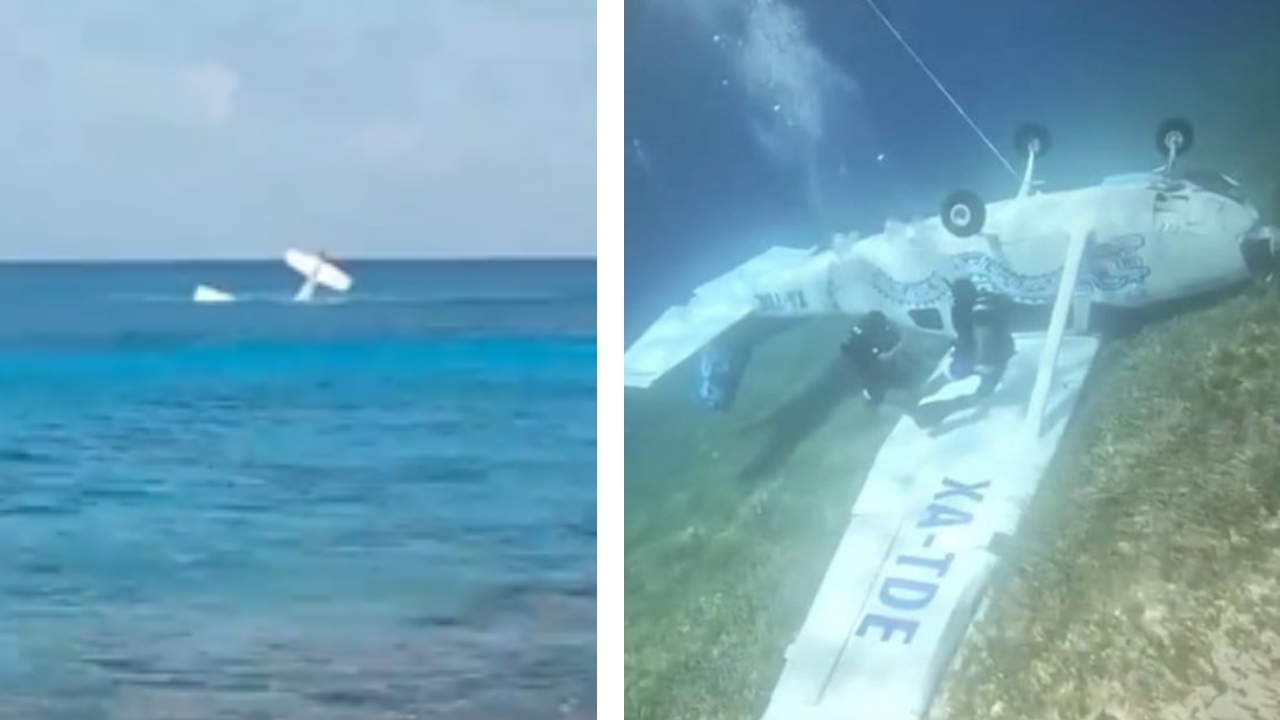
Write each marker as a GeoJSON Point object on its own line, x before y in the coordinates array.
{"type": "Point", "coordinates": [1148, 239]}
{"type": "Point", "coordinates": [1150, 242]}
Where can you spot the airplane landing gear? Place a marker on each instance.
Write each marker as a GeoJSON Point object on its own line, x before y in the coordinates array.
{"type": "Point", "coordinates": [1031, 138]}
{"type": "Point", "coordinates": [1174, 138]}
{"type": "Point", "coordinates": [963, 213]}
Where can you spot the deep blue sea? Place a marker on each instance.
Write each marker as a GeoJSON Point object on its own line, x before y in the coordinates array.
{"type": "Point", "coordinates": [754, 123]}
{"type": "Point", "coordinates": [374, 506]}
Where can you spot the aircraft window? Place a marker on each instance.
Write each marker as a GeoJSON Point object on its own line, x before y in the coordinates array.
{"type": "Point", "coordinates": [927, 318]}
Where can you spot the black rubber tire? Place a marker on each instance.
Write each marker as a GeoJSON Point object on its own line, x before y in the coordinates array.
{"type": "Point", "coordinates": [1028, 133]}
{"type": "Point", "coordinates": [977, 213]}
{"type": "Point", "coordinates": [1174, 127]}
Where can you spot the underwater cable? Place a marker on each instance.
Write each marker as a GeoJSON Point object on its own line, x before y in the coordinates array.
{"type": "Point", "coordinates": [946, 94]}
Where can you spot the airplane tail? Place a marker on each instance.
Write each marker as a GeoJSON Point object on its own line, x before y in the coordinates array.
{"type": "Point", "coordinates": [716, 307]}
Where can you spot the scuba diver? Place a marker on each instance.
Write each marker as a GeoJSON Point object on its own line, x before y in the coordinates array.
{"type": "Point", "coordinates": [983, 346]}
{"type": "Point", "coordinates": [984, 342]}
{"type": "Point", "coordinates": [870, 348]}
{"type": "Point", "coordinates": [964, 295]}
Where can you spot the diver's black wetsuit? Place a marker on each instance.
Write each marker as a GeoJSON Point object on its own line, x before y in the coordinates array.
{"type": "Point", "coordinates": [868, 348]}
{"type": "Point", "coordinates": [983, 346]}
{"type": "Point", "coordinates": [963, 297]}
{"type": "Point", "coordinates": [984, 342]}
{"type": "Point", "coordinates": [993, 340]}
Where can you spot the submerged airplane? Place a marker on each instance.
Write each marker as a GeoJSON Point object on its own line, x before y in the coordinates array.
{"type": "Point", "coordinates": [316, 269]}
{"type": "Point", "coordinates": [936, 512]}
{"type": "Point", "coordinates": [938, 509]}
{"type": "Point", "coordinates": [1141, 238]}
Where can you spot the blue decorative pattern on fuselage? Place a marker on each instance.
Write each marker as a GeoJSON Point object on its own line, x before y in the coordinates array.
{"type": "Point", "coordinates": [1107, 267]}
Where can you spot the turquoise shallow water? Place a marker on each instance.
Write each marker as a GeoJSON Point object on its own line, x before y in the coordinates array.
{"type": "Point", "coordinates": [380, 507]}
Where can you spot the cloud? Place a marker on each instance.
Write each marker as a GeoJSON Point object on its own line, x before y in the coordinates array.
{"type": "Point", "coordinates": [143, 127]}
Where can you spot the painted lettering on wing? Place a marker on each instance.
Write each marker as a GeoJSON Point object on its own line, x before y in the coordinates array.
{"type": "Point", "coordinates": [913, 579]}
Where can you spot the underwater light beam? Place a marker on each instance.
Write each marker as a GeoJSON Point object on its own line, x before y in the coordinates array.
{"type": "Point", "coordinates": [789, 82]}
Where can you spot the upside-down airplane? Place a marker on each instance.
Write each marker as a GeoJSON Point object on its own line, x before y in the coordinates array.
{"type": "Point", "coordinates": [317, 270]}
{"type": "Point", "coordinates": [939, 504]}
{"type": "Point", "coordinates": [938, 508]}
{"type": "Point", "coordinates": [1132, 241]}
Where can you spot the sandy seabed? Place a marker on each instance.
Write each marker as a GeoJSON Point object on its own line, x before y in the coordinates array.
{"type": "Point", "coordinates": [1145, 582]}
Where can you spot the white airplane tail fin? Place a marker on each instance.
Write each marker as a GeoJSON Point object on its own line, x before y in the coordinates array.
{"type": "Point", "coordinates": [716, 306]}
{"type": "Point", "coordinates": [680, 332]}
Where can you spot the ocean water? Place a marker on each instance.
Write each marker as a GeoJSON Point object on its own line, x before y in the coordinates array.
{"type": "Point", "coordinates": [376, 506]}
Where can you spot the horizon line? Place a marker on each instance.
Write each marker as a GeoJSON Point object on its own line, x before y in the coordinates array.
{"type": "Point", "coordinates": [274, 258]}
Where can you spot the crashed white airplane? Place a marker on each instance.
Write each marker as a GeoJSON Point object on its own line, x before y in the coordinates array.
{"type": "Point", "coordinates": [316, 270]}
{"type": "Point", "coordinates": [928, 527]}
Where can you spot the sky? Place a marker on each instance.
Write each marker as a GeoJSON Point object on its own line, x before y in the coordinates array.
{"type": "Point", "coordinates": [236, 128]}
{"type": "Point", "coordinates": [753, 123]}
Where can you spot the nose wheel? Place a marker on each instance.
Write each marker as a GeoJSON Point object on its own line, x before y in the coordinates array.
{"type": "Point", "coordinates": [1031, 139]}
{"type": "Point", "coordinates": [1174, 138]}
{"type": "Point", "coordinates": [963, 213]}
